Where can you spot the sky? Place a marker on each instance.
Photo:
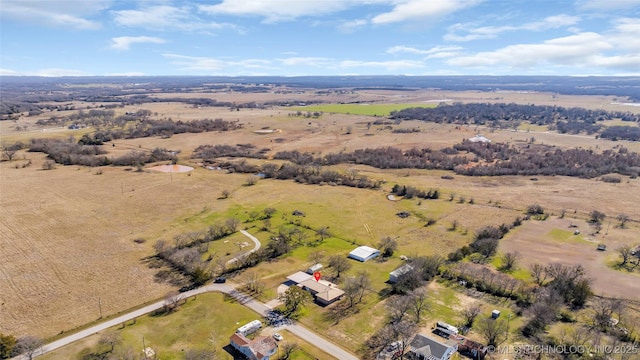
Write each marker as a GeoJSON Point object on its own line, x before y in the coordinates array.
{"type": "Point", "coordinates": [319, 37]}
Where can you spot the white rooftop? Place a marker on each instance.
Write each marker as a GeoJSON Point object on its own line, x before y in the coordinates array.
{"type": "Point", "coordinates": [363, 252]}
{"type": "Point", "coordinates": [299, 277]}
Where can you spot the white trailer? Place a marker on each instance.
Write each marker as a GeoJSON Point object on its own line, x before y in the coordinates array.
{"type": "Point", "coordinates": [249, 328]}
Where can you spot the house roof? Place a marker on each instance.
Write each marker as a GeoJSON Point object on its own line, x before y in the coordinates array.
{"type": "Point", "coordinates": [299, 277]}
{"type": "Point", "coordinates": [323, 289]}
{"type": "Point", "coordinates": [401, 270]}
{"type": "Point", "coordinates": [261, 346]}
{"type": "Point", "coordinates": [427, 346]}
{"type": "Point", "coordinates": [363, 252]}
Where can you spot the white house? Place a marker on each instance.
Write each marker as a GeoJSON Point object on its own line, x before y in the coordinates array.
{"type": "Point", "coordinates": [364, 253]}
{"type": "Point", "coordinates": [260, 348]}
{"type": "Point", "coordinates": [423, 347]}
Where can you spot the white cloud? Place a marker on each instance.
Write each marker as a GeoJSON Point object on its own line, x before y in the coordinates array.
{"type": "Point", "coordinates": [165, 17]}
{"type": "Point", "coordinates": [125, 42]}
{"type": "Point", "coordinates": [393, 65]}
{"type": "Point", "coordinates": [586, 50]}
{"type": "Point", "coordinates": [55, 12]}
{"type": "Point", "coordinates": [433, 52]}
{"type": "Point", "coordinates": [56, 72]}
{"type": "Point", "coordinates": [7, 72]}
{"type": "Point", "coordinates": [213, 65]}
{"type": "Point", "coordinates": [406, 10]}
{"type": "Point", "coordinates": [606, 5]}
{"type": "Point", "coordinates": [130, 73]}
{"type": "Point", "coordinates": [277, 10]}
{"type": "Point", "coordinates": [488, 32]}
{"type": "Point", "coordinates": [306, 61]}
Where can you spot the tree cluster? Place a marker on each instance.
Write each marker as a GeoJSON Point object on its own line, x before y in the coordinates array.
{"type": "Point", "coordinates": [185, 254]}
{"type": "Point", "coordinates": [565, 120]}
{"type": "Point", "coordinates": [302, 174]}
{"type": "Point", "coordinates": [410, 192]}
{"type": "Point", "coordinates": [71, 153]}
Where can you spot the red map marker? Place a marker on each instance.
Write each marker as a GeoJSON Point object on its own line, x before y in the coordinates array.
{"type": "Point", "coordinates": [316, 275]}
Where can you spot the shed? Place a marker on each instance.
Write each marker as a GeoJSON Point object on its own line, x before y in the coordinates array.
{"type": "Point", "coordinates": [364, 253]}
{"type": "Point", "coordinates": [495, 314]}
{"type": "Point", "coordinates": [312, 269]}
{"type": "Point", "coordinates": [395, 275]}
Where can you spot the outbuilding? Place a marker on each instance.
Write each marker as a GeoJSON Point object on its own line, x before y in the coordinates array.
{"type": "Point", "coordinates": [364, 253]}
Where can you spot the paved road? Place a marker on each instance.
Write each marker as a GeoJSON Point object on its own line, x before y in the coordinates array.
{"type": "Point", "coordinates": [227, 288]}
{"type": "Point", "coordinates": [255, 240]}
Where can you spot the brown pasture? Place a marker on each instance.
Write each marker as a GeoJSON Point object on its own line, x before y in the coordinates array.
{"type": "Point", "coordinates": [66, 235]}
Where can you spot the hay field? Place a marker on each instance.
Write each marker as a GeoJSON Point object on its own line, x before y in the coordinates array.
{"type": "Point", "coordinates": [66, 240]}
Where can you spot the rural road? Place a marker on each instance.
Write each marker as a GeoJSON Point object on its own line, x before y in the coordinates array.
{"type": "Point", "coordinates": [256, 248]}
{"type": "Point", "coordinates": [228, 289]}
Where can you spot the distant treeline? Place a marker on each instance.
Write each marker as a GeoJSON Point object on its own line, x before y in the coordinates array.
{"type": "Point", "coordinates": [564, 120]}
{"type": "Point", "coordinates": [71, 153]}
{"type": "Point", "coordinates": [481, 159]}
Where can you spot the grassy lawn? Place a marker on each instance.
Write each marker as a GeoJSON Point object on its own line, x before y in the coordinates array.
{"type": "Point", "coordinates": [362, 109]}
{"type": "Point", "coordinates": [565, 235]}
{"type": "Point", "coordinates": [206, 315]}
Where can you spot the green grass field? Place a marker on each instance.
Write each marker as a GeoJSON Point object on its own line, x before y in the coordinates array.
{"type": "Point", "coordinates": [191, 326]}
{"type": "Point", "coordinates": [362, 109]}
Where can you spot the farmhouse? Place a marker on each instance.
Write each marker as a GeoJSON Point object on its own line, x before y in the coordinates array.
{"type": "Point", "coordinates": [324, 292]}
{"type": "Point", "coordinates": [364, 253]}
{"type": "Point", "coordinates": [260, 348]}
{"type": "Point", "coordinates": [423, 347]}
{"type": "Point", "coordinates": [395, 275]}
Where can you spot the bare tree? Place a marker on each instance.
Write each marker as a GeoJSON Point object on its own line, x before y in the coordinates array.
{"type": "Point", "coordinates": [509, 260]}
{"type": "Point", "coordinates": [403, 331]}
{"type": "Point", "coordinates": [539, 273]}
{"type": "Point", "coordinates": [339, 264]}
{"type": "Point", "coordinates": [355, 287]}
{"type": "Point", "coordinates": [623, 219]}
{"type": "Point", "coordinates": [493, 330]}
{"type": "Point", "coordinates": [110, 338]}
{"type": "Point", "coordinates": [316, 257]}
{"type": "Point", "coordinates": [397, 307]}
{"type": "Point", "coordinates": [9, 153]}
{"type": "Point", "coordinates": [268, 212]}
{"type": "Point", "coordinates": [29, 346]}
{"type": "Point", "coordinates": [172, 301]}
{"type": "Point", "coordinates": [323, 232]}
{"type": "Point", "coordinates": [387, 246]}
{"type": "Point", "coordinates": [232, 224]}
{"type": "Point", "coordinates": [596, 216]}
{"type": "Point", "coordinates": [625, 254]}
{"type": "Point", "coordinates": [49, 165]}
{"type": "Point", "coordinates": [287, 350]}
{"type": "Point", "coordinates": [471, 313]}
{"type": "Point", "coordinates": [252, 282]}
{"type": "Point", "coordinates": [252, 180]}
{"type": "Point", "coordinates": [225, 194]}
{"type": "Point", "coordinates": [418, 302]}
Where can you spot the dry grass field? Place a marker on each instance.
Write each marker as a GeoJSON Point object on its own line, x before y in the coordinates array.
{"type": "Point", "coordinates": [66, 235]}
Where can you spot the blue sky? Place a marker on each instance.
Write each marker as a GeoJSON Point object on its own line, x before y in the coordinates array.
{"type": "Point", "coordinates": [319, 37]}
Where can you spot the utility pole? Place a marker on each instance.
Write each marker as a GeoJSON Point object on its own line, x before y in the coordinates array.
{"type": "Point", "coordinates": [100, 307]}
{"type": "Point", "coordinates": [508, 319]}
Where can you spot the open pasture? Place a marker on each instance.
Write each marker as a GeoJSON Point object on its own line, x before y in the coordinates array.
{"type": "Point", "coordinates": [67, 234]}
{"type": "Point", "coordinates": [370, 109]}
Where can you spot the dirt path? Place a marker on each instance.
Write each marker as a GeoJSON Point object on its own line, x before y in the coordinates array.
{"type": "Point", "coordinates": [256, 248]}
